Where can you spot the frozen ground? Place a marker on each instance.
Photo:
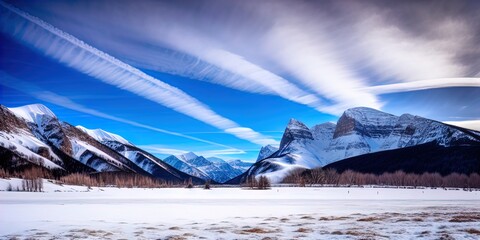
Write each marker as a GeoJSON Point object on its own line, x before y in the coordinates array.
{"type": "Point", "coordinates": [69, 212]}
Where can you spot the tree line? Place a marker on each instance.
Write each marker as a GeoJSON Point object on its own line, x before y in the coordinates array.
{"type": "Point", "coordinates": [32, 179]}
{"type": "Point", "coordinates": [319, 176]}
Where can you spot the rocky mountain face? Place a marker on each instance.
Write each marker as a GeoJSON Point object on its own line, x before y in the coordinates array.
{"type": "Point", "coordinates": [240, 165]}
{"type": "Point", "coordinates": [215, 169]}
{"type": "Point", "coordinates": [147, 162]}
{"type": "Point", "coordinates": [33, 135]}
{"type": "Point", "coordinates": [266, 151]}
{"type": "Point", "coordinates": [359, 131]}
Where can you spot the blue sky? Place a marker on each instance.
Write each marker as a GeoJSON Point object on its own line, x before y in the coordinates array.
{"type": "Point", "coordinates": [223, 78]}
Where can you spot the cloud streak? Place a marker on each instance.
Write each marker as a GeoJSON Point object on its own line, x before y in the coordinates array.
{"type": "Point", "coordinates": [93, 62]}
{"type": "Point", "coordinates": [322, 55]}
{"type": "Point", "coordinates": [424, 84]}
{"type": "Point", "coordinates": [59, 100]}
{"type": "Point", "coordinates": [160, 149]}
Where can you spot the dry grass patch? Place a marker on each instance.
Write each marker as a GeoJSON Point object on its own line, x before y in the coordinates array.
{"type": "Point", "coordinates": [304, 230]}
{"type": "Point", "coordinates": [370, 219]}
{"type": "Point", "coordinates": [258, 230]}
{"type": "Point", "coordinates": [417, 219]}
{"type": "Point", "coordinates": [150, 228]}
{"type": "Point", "coordinates": [333, 218]}
{"type": "Point", "coordinates": [473, 231]}
{"type": "Point", "coordinates": [174, 228]}
{"type": "Point", "coordinates": [472, 217]}
{"type": "Point", "coordinates": [307, 217]}
{"type": "Point", "coordinates": [175, 237]}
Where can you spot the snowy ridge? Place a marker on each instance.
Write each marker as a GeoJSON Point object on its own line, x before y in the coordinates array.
{"type": "Point", "coordinates": [33, 113]}
{"type": "Point", "coordinates": [29, 131]}
{"type": "Point", "coordinates": [185, 167]}
{"type": "Point", "coordinates": [27, 146]}
{"type": "Point", "coordinates": [358, 131]}
{"type": "Point", "coordinates": [266, 151]}
{"type": "Point", "coordinates": [103, 136]}
{"type": "Point", "coordinates": [187, 156]}
{"type": "Point", "coordinates": [240, 165]}
{"type": "Point", "coordinates": [212, 168]}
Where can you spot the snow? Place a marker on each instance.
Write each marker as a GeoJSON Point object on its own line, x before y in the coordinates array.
{"type": "Point", "coordinates": [103, 136]}
{"type": "Point", "coordinates": [33, 113]}
{"type": "Point", "coordinates": [79, 147]}
{"type": "Point", "coordinates": [26, 145]}
{"type": "Point", "coordinates": [266, 151]}
{"type": "Point", "coordinates": [294, 124]}
{"type": "Point", "coordinates": [66, 212]}
{"type": "Point", "coordinates": [185, 167]}
{"type": "Point", "coordinates": [360, 131]}
{"type": "Point", "coordinates": [187, 156]}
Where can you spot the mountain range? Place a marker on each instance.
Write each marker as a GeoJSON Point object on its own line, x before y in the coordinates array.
{"type": "Point", "coordinates": [363, 139]}
{"type": "Point", "coordinates": [33, 135]}
{"type": "Point", "coordinates": [212, 168]}
{"type": "Point", "coordinates": [369, 140]}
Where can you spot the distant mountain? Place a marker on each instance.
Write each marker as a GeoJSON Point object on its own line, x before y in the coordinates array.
{"type": "Point", "coordinates": [240, 165]}
{"type": "Point", "coordinates": [142, 159]}
{"type": "Point", "coordinates": [33, 135]}
{"type": "Point", "coordinates": [212, 168]}
{"type": "Point", "coordinates": [266, 151]}
{"type": "Point", "coordinates": [360, 132]}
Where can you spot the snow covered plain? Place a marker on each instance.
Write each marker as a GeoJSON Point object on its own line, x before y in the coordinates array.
{"type": "Point", "coordinates": [68, 212]}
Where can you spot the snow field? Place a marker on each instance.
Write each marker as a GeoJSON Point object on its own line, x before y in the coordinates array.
{"type": "Point", "coordinates": [66, 212]}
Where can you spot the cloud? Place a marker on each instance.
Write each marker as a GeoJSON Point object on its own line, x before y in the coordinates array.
{"type": "Point", "coordinates": [248, 133]}
{"type": "Point", "coordinates": [160, 149]}
{"type": "Point", "coordinates": [326, 55]}
{"type": "Point", "coordinates": [393, 52]}
{"type": "Point", "coordinates": [471, 124]}
{"type": "Point", "coordinates": [65, 102]}
{"type": "Point", "coordinates": [424, 84]}
{"type": "Point", "coordinates": [93, 62]}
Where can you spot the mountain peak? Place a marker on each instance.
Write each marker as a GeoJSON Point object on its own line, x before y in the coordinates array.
{"type": "Point", "coordinates": [33, 112]}
{"type": "Point", "coordinates": [266, 151]}
{"type": "Point", "coordinates": [187, 156]}
{"type": "Point", "coordinates": [295, 124]}
{"type": "Point", "coordinates": [360, 118]}
{"type": "Point", "coordinates": [364, 111]}
{"type": "Point", "coordinates": [103, 136]}
{"type": "Point", "coordinates": [295, 130]}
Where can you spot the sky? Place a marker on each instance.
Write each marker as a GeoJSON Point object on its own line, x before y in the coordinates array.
{"type": "Point", "coordinates": [223, 78]}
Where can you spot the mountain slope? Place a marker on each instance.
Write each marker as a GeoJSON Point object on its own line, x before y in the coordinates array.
{"type": "Point", "coordinates": [428, 157]}
{"type": "Point", "coordinates": [212, 168]}
{"type": "Point", "coordinates": [182, 166]}
{"type": "Point", "coordinates": [240, 165]}
{"type": "Point", "coordinates": [142, 159]}
{"type": "Point", "coordinates": [33, 135]}
{"type": "Point", "coordinates": [266, 151]}
{"type": "Point", "coordinates": [359, 131]}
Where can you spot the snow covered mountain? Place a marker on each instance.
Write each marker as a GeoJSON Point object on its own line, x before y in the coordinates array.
{"type": "Point", "coordinates": [240, 165]}
{"type": "Point", "coordinates": [266, 151]}
{"type": "Point", "coordinates": [142, 159]}
{"type": "Point", "coordinates": [212, 168]}
{"type": "Point", "coordinates": [33, 135]}
{"type": "Point", "coordinates": [359, 131]}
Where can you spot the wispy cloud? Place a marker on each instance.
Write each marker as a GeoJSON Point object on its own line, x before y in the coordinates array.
{"type": "Point", "coordinates": [59, 100]}
{"type": "Point", "coordinates": [470, 124]}
{"type": "Point", "coordinates": [395, 51]}
{"type": "Point", "coordinates": [161, 149]}
{"type": "Point", "coordinates": [91, 61]}
{"type": "Point", "coordinates": [319, 54]}
{"type": "Point", "coordinates": [424, 84]}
